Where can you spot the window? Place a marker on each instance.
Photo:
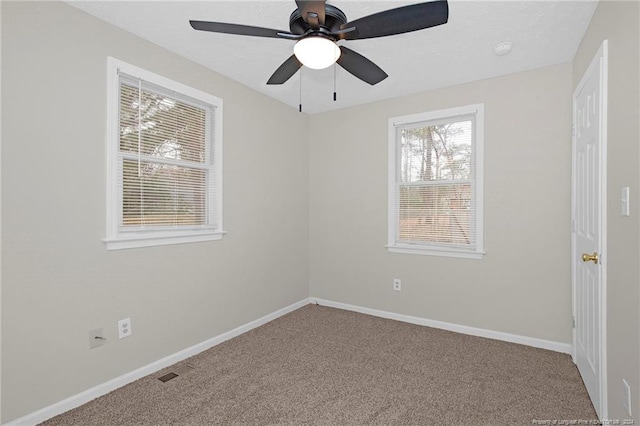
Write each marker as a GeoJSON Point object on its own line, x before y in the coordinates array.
{"type": "Point", "coordinates": [164, 165]}
{"type": "Point", "coordinates": [435, 182]}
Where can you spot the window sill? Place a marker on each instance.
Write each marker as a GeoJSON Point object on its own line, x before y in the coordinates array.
{"type": "Point", "coordinates": [463, 254]}
{"type": "Point", "coordinates": [137, 241]}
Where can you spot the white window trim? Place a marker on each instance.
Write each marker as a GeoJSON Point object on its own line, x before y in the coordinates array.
{"type": "Point", "coordinates": [116, 240]}
{"type": "Point", "coordinates": [432, 249]}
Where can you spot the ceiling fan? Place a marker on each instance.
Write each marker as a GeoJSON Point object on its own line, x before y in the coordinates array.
{"type": "Point", "coordinates": [317, 27]}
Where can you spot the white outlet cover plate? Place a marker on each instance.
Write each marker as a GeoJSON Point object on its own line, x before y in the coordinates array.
{"type": "Point", "coordinates": [124, 328]}
{"type": "Point", "coordinates": [397, 284]}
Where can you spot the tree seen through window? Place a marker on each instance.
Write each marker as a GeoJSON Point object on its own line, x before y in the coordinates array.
{"type": "Point", "coordinates": [435, 183]}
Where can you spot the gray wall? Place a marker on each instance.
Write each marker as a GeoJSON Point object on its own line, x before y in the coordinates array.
{"type": "Point", "coordinates": [619, 22]}
{"type": "Point", "coordinates": [523, 284]}
{"type": "Point", "coordinates": [58, 281]}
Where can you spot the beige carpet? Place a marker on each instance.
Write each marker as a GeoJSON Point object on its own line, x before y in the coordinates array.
{"type": "Point", "coordinates": [324, 366]}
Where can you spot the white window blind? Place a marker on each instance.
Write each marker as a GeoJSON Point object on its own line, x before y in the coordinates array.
{"type": "Point", "coordinates": [435, 197]}
{"type": "Point", "coordinates": [166, 186]}
{"type": "Point", "coordinates": [164, 146]}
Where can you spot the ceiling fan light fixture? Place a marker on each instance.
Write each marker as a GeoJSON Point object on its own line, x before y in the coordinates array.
{"type": "Point", "coordinates": [316, 52]}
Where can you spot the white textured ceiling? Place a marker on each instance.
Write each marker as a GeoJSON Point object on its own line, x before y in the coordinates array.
{"type": "Point", "coordinates": [543, 32]}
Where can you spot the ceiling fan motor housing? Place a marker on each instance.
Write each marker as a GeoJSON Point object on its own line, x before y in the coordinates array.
{"type": "Point", "coordinates": [334, 18]}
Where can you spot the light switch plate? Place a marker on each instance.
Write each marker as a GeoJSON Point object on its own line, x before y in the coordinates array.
{"type": "Point", "coordinates": [624, 201]}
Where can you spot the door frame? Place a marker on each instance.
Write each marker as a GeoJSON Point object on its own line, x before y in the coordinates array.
{"type": "Point", "coordinates": [600, 60]}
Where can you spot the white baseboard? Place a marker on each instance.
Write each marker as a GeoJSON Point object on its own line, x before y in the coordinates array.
{"type": "Point", "coordinates": [104, 388]}
{"type": "Point", "coordinates": [463, 329]}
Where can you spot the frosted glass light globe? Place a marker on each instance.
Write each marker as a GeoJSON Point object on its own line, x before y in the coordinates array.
{"type": "Point", "coordinates": [316, 52]}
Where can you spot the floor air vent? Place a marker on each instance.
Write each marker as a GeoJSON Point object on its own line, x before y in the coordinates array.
{"type": "Point", "coordinates": [167, 377]}
{"type": "Point", "coordinates": [179, 371]}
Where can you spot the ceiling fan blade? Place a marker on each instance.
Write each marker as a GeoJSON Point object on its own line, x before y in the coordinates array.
{"type": "Point", "coordinates": [285, 71]}
{"type": "Point", "coordinates": [399, 20]}
{"type": "Point", "coordinates": [312, 7]}
{"type": "Point", "coordinates": [361, 67]}
{"type": "Point", "coordinates": [247, 30]}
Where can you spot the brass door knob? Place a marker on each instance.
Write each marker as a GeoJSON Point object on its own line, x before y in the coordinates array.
{"type": "Point", "coordinates": [590, 257]}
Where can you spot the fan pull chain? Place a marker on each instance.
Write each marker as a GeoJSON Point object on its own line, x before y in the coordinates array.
{"type": "Point", "coordinates": [300, 104]}
{"type": "Point", "coordinates": [335, 96]}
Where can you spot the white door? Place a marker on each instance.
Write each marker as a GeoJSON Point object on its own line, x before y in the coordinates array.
{"type": "Point", "coordinates": [589, 226]}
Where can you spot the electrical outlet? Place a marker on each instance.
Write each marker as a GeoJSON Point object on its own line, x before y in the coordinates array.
{"type": "Point", "coordinates": [96, 338]}
{"type": "Point", "coordinates": [124, 328]}
{"type": "Point", "coordinates": [626, 397]}
{"type": "Point", "coordinates": [397, 284]}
